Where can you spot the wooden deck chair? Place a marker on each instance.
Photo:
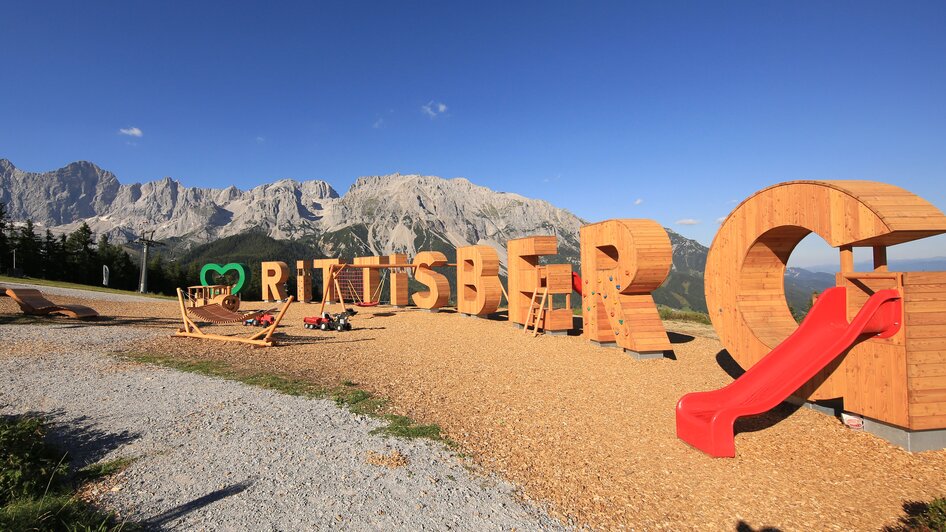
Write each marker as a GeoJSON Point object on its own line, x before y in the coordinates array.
{"type": "Point", "coordinates": [217, 314]}
{"type": "Point", "coordinates": [34, 303]}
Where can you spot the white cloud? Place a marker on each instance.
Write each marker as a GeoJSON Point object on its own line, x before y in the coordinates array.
{"type": "Point", "coordinates": [688, 221]}
{"type": "Point", "coordinates": [721, 219]}
{"type": "Point", "coordinates": [638, 201]}
{"type": "Point", "coordinates": [378, 124]}
{"type": "Point", "coordinates": [260, 140]}
{"type": "Point", "coordinates": [433, 109]}
{"type": "Point", "coordinates": [131, 132]}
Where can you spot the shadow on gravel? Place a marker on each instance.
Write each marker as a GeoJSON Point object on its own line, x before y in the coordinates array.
{"type": "Point", "coordinates": [728, 364]}
{"type": "Point", "coordinates": [85, 443]}
{"type": "Point", "coordinates": [164, 518]}
{"type": "Point", "coordinates": [679, 338]}
{"type": "Point", "coordinates": [68, 323]}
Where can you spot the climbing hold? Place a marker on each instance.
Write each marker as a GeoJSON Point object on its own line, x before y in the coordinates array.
{"type": "Point", "coordinates": [592, 292]}
{"type": "Point", "coordinates": [612, 313]}
{"type": "Point", "coordinates": [617, 286]}
{"type": "Point", "coordinates": [610, 277]}
{"type": "Point", "coordinates": [620, 322]}
{"type": "Point", "coordinates": [606, 296]}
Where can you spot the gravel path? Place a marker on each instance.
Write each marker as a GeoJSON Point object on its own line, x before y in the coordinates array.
{"type": "Point", "coordinates": [219, 455]}
{"type": "Point", "coordinates": [85, 294]}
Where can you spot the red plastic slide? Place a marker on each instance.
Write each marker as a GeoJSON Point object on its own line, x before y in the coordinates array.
{"type": "Point", "coordinates": [705, 419]}
{"type": "Point", "coordinates": [576, 283]}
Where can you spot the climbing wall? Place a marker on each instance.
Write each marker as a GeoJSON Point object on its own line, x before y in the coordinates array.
{"type": "Point", "coordinates": [622, 262]}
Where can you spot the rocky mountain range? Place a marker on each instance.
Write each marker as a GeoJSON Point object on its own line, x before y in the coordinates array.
{"type": "Point", "coordinates": [378, 215]}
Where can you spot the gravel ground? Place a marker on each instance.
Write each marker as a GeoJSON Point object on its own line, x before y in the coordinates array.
{"type": "Point", "coordinates": [219, 455]}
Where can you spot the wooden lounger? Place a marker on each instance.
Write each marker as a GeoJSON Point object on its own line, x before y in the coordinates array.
{"type": "Point", "coordinates": [34, 303]}
{"type": "Point", "coordinates": [217, 314]}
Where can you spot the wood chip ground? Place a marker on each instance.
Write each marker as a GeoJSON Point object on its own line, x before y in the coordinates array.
{"type": "Point", "coordinates": [586, 429]}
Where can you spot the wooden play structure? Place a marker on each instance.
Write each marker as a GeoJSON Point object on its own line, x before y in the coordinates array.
{"type": "Point", "coordinates": [622, 262]}
{"type": "Point", "coordinates": [896, 379]}
{"type": "Point", "coordinates": [32, 302]}
{"type": "Point", "coordinates": [479, 290]}
{"type": "Point", "coordinates": [533, 287]}
{"type": "Point", "coordinates": [372, 279]}
{"type": "Point", "coordinates": [221, 294]}
{"type": "Point", "coordinates": [216, 313]}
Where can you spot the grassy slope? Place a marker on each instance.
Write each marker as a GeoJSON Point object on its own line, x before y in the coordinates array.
{"type": "Point", "coordinates": [63, 284]}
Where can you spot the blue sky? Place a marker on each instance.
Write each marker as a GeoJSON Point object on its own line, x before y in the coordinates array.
{"type": "Point", "coordinates": [663, 110]}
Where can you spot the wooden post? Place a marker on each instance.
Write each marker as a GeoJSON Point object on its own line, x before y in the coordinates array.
{"type": "Point", "coordinates": [847, 259]}
{"type": "Point", "coordinates": [880, 258]}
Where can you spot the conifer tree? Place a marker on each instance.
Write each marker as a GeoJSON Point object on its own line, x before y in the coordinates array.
{"type": "Point", "coordinates": [4, 243]}
{"type": "Point", "coordinates": [28, 258]}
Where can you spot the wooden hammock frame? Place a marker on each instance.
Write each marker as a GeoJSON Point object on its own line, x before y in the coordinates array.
{"type": "Point", "coordinates": [262, 338]}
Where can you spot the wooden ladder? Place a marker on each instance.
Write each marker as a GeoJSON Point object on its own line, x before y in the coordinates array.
{"type": "Point", "coordinates": [536, 314]}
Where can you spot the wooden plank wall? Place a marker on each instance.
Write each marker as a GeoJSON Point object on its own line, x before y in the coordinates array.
{"type": "Point", "coordinates": [925, 309]}
{"type": "Point", "coordinates": [874, 371]}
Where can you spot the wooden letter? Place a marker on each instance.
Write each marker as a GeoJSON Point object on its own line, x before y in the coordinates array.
{"type": "Point", "coordinates": [399, 287]}
{"type": "Point", "coordinates": [745, 287]}
{"type": "Point", "coordinates": [438, 293]}
{"type": "Point", "coordinates": [327, 287]}
{"type": "Point", "coordinates": [528, 283]}
{"type": "Point", "coordinates": [622, 262]}
{"type": "Point", "coordinates": [478, 288]}
{"type": "Point", "coordinates": [275, 275]}
{"type": "Point", "coordinates": [303, 282]}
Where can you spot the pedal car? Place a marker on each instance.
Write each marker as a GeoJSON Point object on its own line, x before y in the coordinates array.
{"type": "Point", "coordinates": [340, 322]}
{"type": "Point", "coordinates": [261, 321]}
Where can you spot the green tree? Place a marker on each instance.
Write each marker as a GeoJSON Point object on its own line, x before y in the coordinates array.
{"type": "Point", "coordinates": [53, 257]}
{"type": "Point", "coordinates": [28, 257]}
{"type": "Point", "coordinates": [4, 243]}
{"type": "Point", "coordinates": [80, 256]}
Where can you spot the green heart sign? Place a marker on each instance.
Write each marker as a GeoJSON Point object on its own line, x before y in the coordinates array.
{"type": "Point", "coordinates": [241, 269]}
